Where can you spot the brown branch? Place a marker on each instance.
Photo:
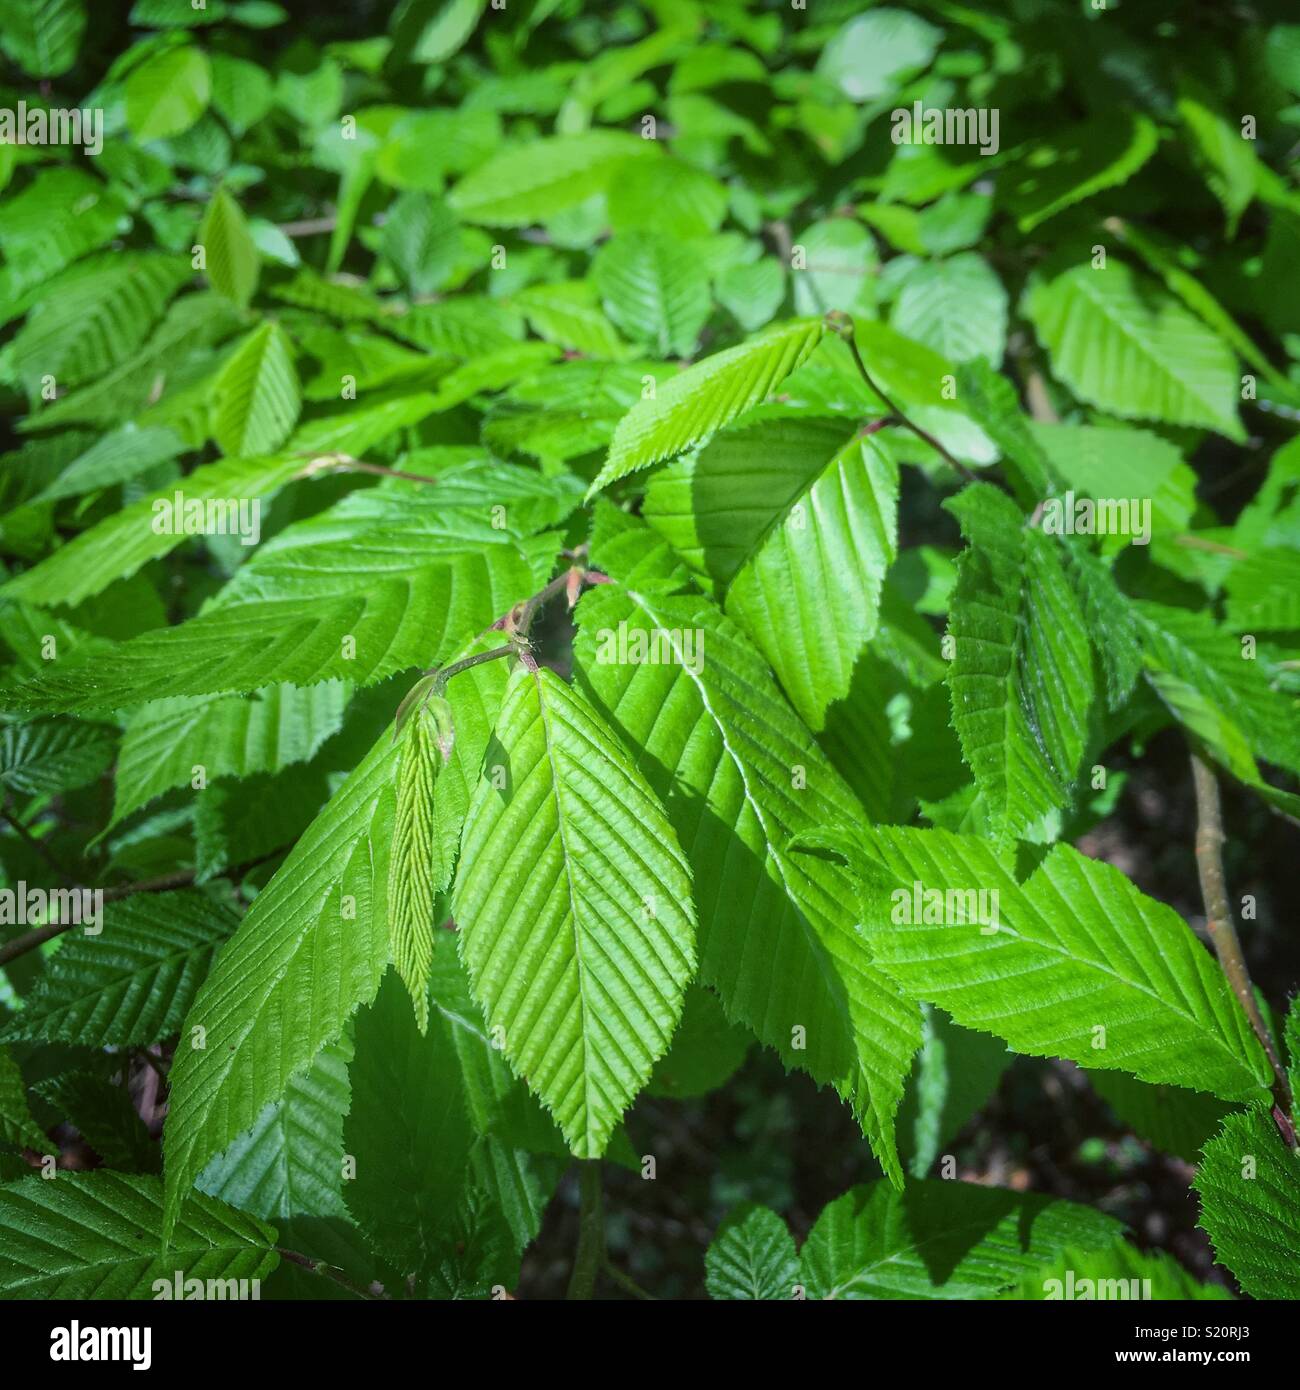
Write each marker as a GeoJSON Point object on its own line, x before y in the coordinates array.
{"type": "Point", "coordinates": [328, 1271]}
{"type": "Point", "coordinates": [345, 463]}
{"type": "Point", "coordinates": [1223, 933]}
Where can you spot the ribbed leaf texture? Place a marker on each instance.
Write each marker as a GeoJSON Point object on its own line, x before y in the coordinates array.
{"type": "Point", "coordinates": [694, 405]}
{"type": "Point", "coordinates": [233, 263]}
{"type": "Point", "coordinates": [256, 399]}
{"type": "Point", "coordinates": [117, 546]}
{"type": "Point", "coordinates": [958, 307]}
{"type": "Point", "coordinates": [752, 1257]}
{"type": "Point", "coordinates": [1081, 964]}
{"type": "Point", "coordinates": [1021, 678]}
{"type": "Point", "coordinates": [655, 289]}
{"type": "Point", "coordinates": [94, 316]}
{"type": "Point", "coordinates": [1249, 1186]}
{"type": "Point", "coordinates": [227, 736]}
{"type": "Point", "coordinates": [1122, 343]}
{"type": "Point", "coordinates": [313, 947]}
{"type": "Point", "coordinates": [52, 755]}
{"type": "Point", "coordinates": [290, 1163]}
{"type": "Point", "coordinates": [949, 1240]}
{"type": "Point", "coordinates": [418, 869]}
{"type": "Point", "coordinates": [17, 1127]}
{"type": "Point", "coordinates": [740, 777]}
{"type": "Point", "coordinates": [799, 521]}
{"type": "Point", "coordinates": [43, 36]}
{"type": "Point", "coordinates": [132, 984]}
{"type": "Point", "coordinates": [99, 1235]}
{"type": "Point", "coordinates": [533, 182]}
{"type": "Point", "coordinates": [408, 1129]}
{"type": "Point", "coordinates": [574, 906]}
{"type": "Point", "coordinates": [382, 582]}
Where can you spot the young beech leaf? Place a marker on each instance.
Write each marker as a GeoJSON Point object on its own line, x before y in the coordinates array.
{"type": "Point", "coordinates": [574, 906]}
{"type": "Point", "coordinates": [417, 869]}
{"type": "Point", "coordinates": [691, 407]}
{"type": "Point", "coordinates": [1073, 962]}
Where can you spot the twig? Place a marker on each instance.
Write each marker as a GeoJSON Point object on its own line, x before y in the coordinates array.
{"type": "Point", "coordinates": [309, 226]}
{"type": "Point", "coordinates": [841, 324]}
{"type": "Point", "coordinates": [38, 846]}
{"type": "Point", "coordinates": [1223, 934]}
{"type": "Point", "coordinates": [38, 936]}
{"type": "Point", "coordinates": [590, 1255]}
{"type": "Point", "coordinates": [627, 1283]}
{"type": "Point", "coordinates": [1214, 547]}
{"type": "Point", "coordinates": [345, 463]}
{"type": "Point", "coordinates": [328, 1271]}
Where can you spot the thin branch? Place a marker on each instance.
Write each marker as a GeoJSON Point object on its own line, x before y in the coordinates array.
{"type": "Point", "coordinates": [309, 226]}
{"type": "Point", "coordinates": [627, 1283]}
{"type": "Point", "coordinates": [36, 845]}
{"type": "Point", "coordinates": [345, 463]}
{"type": "Point", "coordinates": [841, 324]}
{"type": "Point", "coordinates": [328, 1271]}
{"type": "Point", "coordinates": [1223, 933]}
{"type": "Point", "coordinates": [38, 936]}
{"type": "Point", "coordinates": [590, 1255]}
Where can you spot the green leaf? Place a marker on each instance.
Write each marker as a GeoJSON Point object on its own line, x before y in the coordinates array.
{"type": "Point", "coordinates": [1021, 676]}
{"type": "Point", "coordinates": [1073, 962]}
{"type": "Point", "coordinates": [668, 197]}
{"type": "Point", "coordinates": [409, 1131]}
{"type": "Point", "coordinates": [422, 241]}
{"type": "Point", "coordinates": [1122, 343]}
{"type": "Point", "coordinates": [1077, 162]}
{"type": "Point", "coordinates": [950, 1240]}
{"type": "Point", "coordinates": [167, 93]}
{"type": "Point", "coordinates": [132, 984]}
{"type": "Point", "coordinates": [1118, 1272]}
{"type": "Point", "coordinates": [290, 1163]}
{"type": "Point", "coordinates": [1249, 1186]}
{"type": "Point", "coordinates": [17, 1127]}
{"type": "Point", "coordinates": [655, 290]}
{"type": "Point", "coordinates": [697, 403]}
{"type": "Point", "coordinates": [118, 546]}
{"type": "Point", "coordinates": [53, 755]}
{"type": "Point", "coordinates": [226, 736]}
{"type": "Point", "coordinates": [313, 947]}
{"type": "Point", "coordinates": [233, 263]}
{"type": "Point", "coordinates": [739, 776]}
{"type": "Point", "coordinates": [872, 53]}
{"type": "Point", "coordinates": [532, 182]}
{"type": "Point", "coordinates": [569, 314]}
{"type": "Point", "coordinates": [751, 1257]}
{"type": "Point", "coordinates": [1174, 1120]}
{"type": "Point", "coordinates": [706, 1050]}
{"type": "Point", "coordinates": [256, 400]}
{"type": "Point", "coordinates": [42, 36]}
{"type": "Point", "coordinates": [419, 869]}
{"type": "Point", "coordinates": [94, 316]}
{"type": "Point", "coordinates": [1264, 592]}
{"type": "Point", "coordinates": [957, 1073]}
{"type": "Point", "coordinates": [800, 523]}
{"type": "Point", "coordinates": [574, 906]}
{"type": "Point", "coordinates": [404, 579]}
{"type": "Point", "coordinates": [105, 1117]}
{"type": "Point", "coordinates": [958, 307]}
{"type": "Point", "coordinates": [100, 1235]}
